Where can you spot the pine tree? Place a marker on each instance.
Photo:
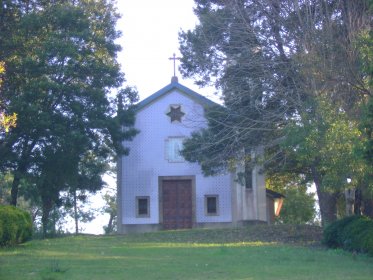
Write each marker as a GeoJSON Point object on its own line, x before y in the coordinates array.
{"type": "Point", "coordinates": [273, 62]}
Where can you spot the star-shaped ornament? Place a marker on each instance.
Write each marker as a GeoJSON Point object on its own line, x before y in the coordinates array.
{"type": "Point", "coordinates": [175, 113]}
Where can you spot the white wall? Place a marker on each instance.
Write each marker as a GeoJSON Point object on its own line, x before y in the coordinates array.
{"type": "Point", "coordinates": [147, 161]}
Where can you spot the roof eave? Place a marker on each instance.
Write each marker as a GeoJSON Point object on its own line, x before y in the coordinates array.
{"type": "Point", "coordinates": [183, 89]}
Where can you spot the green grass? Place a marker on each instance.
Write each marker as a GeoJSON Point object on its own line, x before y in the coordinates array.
{"type": "Point", "coordinates": [255, 252]}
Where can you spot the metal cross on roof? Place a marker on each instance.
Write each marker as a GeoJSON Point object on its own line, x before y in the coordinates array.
{"type": "Point", "coordinates": [174, 58]}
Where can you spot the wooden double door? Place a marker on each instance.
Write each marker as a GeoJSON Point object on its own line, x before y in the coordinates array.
{"type": "Point", "coordinates": [177, 204]}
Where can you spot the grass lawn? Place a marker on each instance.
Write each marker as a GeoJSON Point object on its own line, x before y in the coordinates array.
{"type": "Point", "coordinates": [256, 252]}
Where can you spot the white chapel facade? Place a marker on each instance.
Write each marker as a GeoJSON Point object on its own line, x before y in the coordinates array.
{"type": "Point", "coordinates": [159, 190]}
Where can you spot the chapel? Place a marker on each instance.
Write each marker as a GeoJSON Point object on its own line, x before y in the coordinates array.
{"type": "Point", "coordinates": [159, 190]}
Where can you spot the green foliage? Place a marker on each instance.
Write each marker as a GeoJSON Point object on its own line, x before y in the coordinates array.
{"type": "Point", "coordinates": [354, 233]}
{"type": "Point", "coordinates": [5, 186]}
{"type": "Point", "coordinates": [358, 235]}
{"type": "Point", "coordinates": [321, 145]}
{"type": "Point", "coordinates": [365, 150]}
{"type": "Point", "coordinates": [228, 50]}
{"type": "Point", "coordinates": [62, 67]}
{"type": "Point", "coordinates": [324, 139]}
{"type": "Point", "coordinates": [15, 225]}
{"type": "Point", "coordinates": [209, 146]}
{"type": "Point", "coordinates": [333, 232]}
{"type": "Point", "coordinates": [364, 44]}
{"type": "Point", "coordinates": [287, 75]}
{"type": "Point", "coordinates": [298, 207]}
{"type": "Point", "coordinates": [366, 127]}
{"type": "Point", "coordinates": [111, 209]}
{"type": "Point", "coordinates": [6, 121]}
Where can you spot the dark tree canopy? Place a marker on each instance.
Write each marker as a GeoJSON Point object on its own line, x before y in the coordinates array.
{"type": "Point", "coordinates": [278, 64]}
{"type": "Point", "coordinates": [61, 68]}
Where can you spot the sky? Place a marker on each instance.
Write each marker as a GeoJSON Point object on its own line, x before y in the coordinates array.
{"type": "Point", "coordinates": [149, 37]}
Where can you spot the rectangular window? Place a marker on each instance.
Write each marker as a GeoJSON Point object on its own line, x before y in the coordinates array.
{"type": "Point", "coordinates": [172, 149]}
{"type": "Point", "coordinates": [142, 206]}
{"type": "Point", "coordinates": [212, 205]}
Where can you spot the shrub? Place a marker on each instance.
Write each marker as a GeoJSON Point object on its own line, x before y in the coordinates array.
{"type": "Point", "coordinates": [15, 225]}
{"type": "Point", "coordinates": [333, 232]}
{"type": "Point", "coordinates": [356, 235]}
{"type": "Point", "coordinates": [353, 233]}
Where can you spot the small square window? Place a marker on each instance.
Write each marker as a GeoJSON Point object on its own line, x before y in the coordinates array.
{"type": "Point", "coordinates": [142, 206]}
{"type": "Point", "coordinates": [212, 205]}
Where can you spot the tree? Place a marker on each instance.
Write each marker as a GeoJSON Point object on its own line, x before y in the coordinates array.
{"type": "Point", "coordinates": [78, 206]}
{"type": "Point", "coordinates": [367, 128]}
{"type": "Point", "coordinates": [89, 180]}
{"type": "Point", "coordinates": [365, 42]}
{"type": "Point", "coordinates": [111, 209]}
{"type": "Point", "coordinates": [61, 68]}
{"type": "Point", "coordinates": [5, 183]}
{"type": "Point", "coordinates": [366, 52]}
{"type": "Point", "coordinates": [299, 205]}
{"type": "Point", "coordinates": [6, 121]}
{"type": "Point", "coordinates": [273, 62]}
{"type": "Point", "coordinates": [321, 147]}
{"type": "Point", "coordinates": [256, 79]}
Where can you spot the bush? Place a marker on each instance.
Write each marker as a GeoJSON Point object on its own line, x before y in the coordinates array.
{"type": "Point", "coordinates": [333, 232]}
{"type": "Point", "coordinates": [353, 233]}
{"type": "Point", "coordinates": [356, 235]}
{"type": "Point", "coordinates": [15, 225]}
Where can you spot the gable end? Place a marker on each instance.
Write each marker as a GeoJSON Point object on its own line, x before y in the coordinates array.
{"type": "Point", "coordinates": [182, 89]}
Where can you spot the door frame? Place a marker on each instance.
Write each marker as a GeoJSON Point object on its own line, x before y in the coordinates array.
{"type": "Point", "coordinates": [192, 178]}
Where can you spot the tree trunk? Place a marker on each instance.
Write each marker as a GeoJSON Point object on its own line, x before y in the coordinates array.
{"type": "Point", "coordinates": [15, 187]}
{"type": "Point", "coordinates": [76, 214]}
{"type": "Point", "coordinates": [47, 207]}
{"type": "Point", "coordinates": [358, 202]}
{"type": "Point", "coordinates": [368, 207]}
{"type": "Point", "coordinates": [21, 170]}
{"type": "Point", "coordinates": [327, 200]}
{"type": "Point", "coordinates": [328, 206]}
{"type": "Point", "coordinates": [350, 201]}
{"type": "Point", "coordinates": [110, 224]}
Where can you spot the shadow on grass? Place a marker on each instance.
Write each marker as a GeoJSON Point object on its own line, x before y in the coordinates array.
{"type": "Point", "coordinates": [284, 234]}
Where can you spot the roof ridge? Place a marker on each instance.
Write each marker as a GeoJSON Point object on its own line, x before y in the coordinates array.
{"type": "Point", "coordinates": [163, 91]}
